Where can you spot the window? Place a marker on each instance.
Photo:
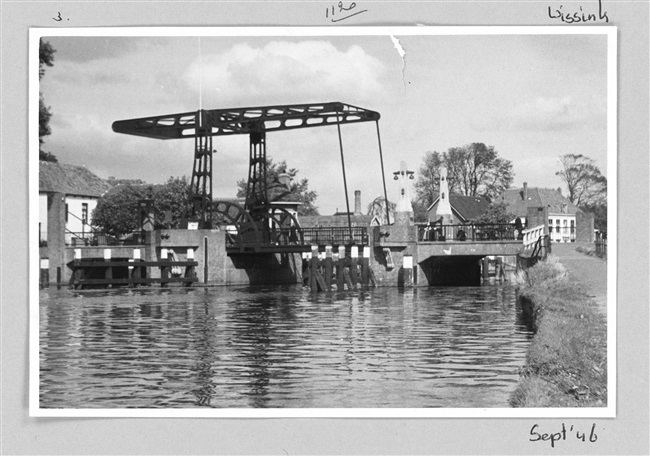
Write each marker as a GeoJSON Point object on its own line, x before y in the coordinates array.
{"type": "Point", "coordinates": [550, 221]}
{"type": "Point", "coordinates": [84, 213]}
{"type": "Point", "coordinates": [66, 212]}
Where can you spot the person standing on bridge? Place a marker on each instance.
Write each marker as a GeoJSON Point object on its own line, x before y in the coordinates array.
{"type": "Point", "coordinates": [519, 229]}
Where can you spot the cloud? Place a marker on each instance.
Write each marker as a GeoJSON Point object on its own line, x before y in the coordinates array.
{"type": "Point", "coordinates": [287, 71]}
{"type": "Point", "coordinates": [547, 114]}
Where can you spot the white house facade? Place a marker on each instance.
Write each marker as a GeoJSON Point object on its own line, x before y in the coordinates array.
{"type": "Point", "coordinates": [79, 188]}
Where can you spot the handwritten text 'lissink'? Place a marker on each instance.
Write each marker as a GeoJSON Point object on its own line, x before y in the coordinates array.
{"type": "Point", "coordinates": [571, 15]}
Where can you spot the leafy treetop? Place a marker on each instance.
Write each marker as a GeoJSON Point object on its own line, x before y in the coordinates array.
{"type": "Point", "coordinates": [298, 189]}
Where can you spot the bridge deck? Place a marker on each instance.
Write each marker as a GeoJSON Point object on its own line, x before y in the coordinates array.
{"type": "Point", "coordinates": [427, 249]}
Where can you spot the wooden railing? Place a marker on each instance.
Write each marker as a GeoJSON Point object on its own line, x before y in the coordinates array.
{"type": "Point", "coordinates": [539, 251]}
{"type": "Point", "coordinates": [531, 235]}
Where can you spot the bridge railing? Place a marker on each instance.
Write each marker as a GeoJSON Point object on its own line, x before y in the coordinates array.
{"type": "Point", "coordinates": [531, 235]}
{"type": "Point", "coordinates": [298, 236]}
{"type": "Point", "coordinates": [335, 235]}
{"type": "Point", "coordinates": [97, 238]}
{"type": "Point", "coordinates": [478, 232]}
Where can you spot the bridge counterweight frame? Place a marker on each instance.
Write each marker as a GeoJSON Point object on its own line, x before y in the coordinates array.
{"type": "Point", "coordinates": [254, 121]}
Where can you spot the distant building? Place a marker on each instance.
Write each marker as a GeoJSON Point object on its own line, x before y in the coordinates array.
{"type": "Point", "coordinates": [463, 208]}
{"type": "Point", "coordinates": [79, 190]}
{"type": "Point", "coordinates": [563, 215]}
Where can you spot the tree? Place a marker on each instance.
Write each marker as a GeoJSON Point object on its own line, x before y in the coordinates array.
{"type": "Point", "coordinates": [585, 183]}
{"type": "Point", "coordinates": [587, 187]}
{"type": "Point", "coordinates": [172, 197]}
{"type": "Point", "coordinates": [420, 213]}
{"type": "Point", "coordinates": [497, 213]}
{"type": "Point", "coordinates": [378, 209]}
{"type": "Point", "coordinates": [472, 170]}
{"type": "Point", "coordinates": [426, 187]}
{"type": "Point", "coordinates": [477, 170]}
{"type": "Point", "coordinates": [298, 189]}
{"type": "Point", "coordinates": [45, 58]}
{"type": "Point", "coordinates": [118, 213]}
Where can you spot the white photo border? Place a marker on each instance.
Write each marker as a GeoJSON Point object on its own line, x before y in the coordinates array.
{"type": "Point", "coordinates": [294, 31]}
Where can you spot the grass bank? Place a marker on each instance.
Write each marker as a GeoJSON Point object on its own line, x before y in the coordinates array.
{"type": "Point", "coordinates": [566, 364]}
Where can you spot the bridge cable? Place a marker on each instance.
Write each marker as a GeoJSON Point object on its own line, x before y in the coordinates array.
{"type": "Point", "coordinates": [345, 184]}
{"type": "Point", "coordinates": [383, 176]}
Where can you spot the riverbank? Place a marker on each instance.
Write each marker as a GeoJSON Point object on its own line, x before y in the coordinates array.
{"type": "Point", "coordinates": [566, 364]}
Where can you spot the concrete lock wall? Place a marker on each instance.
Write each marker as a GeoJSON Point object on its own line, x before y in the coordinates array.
{"type": "Point", "coordinates": [387, 275]}
{"type": "Point", "coordinates": [217, 267]}
{"type": "Point", "coordinates": [56, 251]}
{"type": "Point", "coordinates": [389, 245]}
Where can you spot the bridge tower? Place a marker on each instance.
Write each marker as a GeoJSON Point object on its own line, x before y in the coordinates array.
{"type": "Point", "coordinates": [404, 209]}
{"type": "Point", "coordinates": [444, 206]}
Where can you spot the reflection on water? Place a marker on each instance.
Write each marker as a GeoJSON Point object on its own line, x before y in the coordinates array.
{"type": "Point", "coordinates": [280, 347]}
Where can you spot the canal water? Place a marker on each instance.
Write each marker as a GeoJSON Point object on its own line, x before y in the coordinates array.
{"type": "Point", "coordinates": [280, 347]}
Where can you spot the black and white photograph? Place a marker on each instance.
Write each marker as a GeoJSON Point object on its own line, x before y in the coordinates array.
{"type": "Point", "coordinates": [323, 222]}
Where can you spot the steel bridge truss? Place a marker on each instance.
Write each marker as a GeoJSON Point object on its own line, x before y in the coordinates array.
{"type": "Point", "coordinates": [202, 125]}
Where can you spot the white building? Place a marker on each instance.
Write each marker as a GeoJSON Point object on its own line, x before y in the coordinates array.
{"type": "Point", "coordinates": [80, 189]}
{"type": "Point", "coordinates": [561, 212]}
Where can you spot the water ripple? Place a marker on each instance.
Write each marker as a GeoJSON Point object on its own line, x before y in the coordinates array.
{"type": "Point", "coordinates": [280, 347]}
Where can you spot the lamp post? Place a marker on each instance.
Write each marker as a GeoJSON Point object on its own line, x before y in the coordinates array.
{"type": "Point", "coordinates": [404, 201]}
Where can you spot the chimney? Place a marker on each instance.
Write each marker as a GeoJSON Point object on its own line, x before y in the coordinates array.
{"type": "Point", "coordinates": [525, 191]}
{"type": "Point", "coordinates": [357, 202]}
{"type": "Point", "coordinates": [559, 190]}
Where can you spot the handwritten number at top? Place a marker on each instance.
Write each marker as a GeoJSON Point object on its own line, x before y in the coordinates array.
{"type": "Point", "coordinates": [58, 17]}
{"type": "Point", "coordinates": [342, 9]}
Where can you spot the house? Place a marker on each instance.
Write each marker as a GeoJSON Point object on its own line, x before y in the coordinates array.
{"type": "Point", "coordinates": [463, 208]}
{"type": "Point", "coordinates": [564, 217]}
{"type": "Point", "coordinates": [78, 189]}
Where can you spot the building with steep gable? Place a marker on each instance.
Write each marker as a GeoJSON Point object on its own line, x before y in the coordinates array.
{"type": "Point", "coordinates": [77, 188]}
{"type": "Point", "coordinates": [463, 208]}
{"type": "Point", "coordinates": [566, 222]}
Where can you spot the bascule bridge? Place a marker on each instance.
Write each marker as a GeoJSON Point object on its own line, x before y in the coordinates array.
{"type": "Point", "coordinates": [222, 242]}
{"type": "Point", "coordinates": [259, 225]}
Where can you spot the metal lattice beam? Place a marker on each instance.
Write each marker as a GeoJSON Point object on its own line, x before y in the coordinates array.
{"type": "Point", "coordinates": [239, 121]}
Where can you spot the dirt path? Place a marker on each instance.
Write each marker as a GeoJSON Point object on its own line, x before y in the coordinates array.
{"type": "Point", "coordinates": [590, 271]}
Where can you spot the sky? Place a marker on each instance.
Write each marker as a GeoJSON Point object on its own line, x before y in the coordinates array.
{"type": "Point", "coordinates": [532, 97]}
